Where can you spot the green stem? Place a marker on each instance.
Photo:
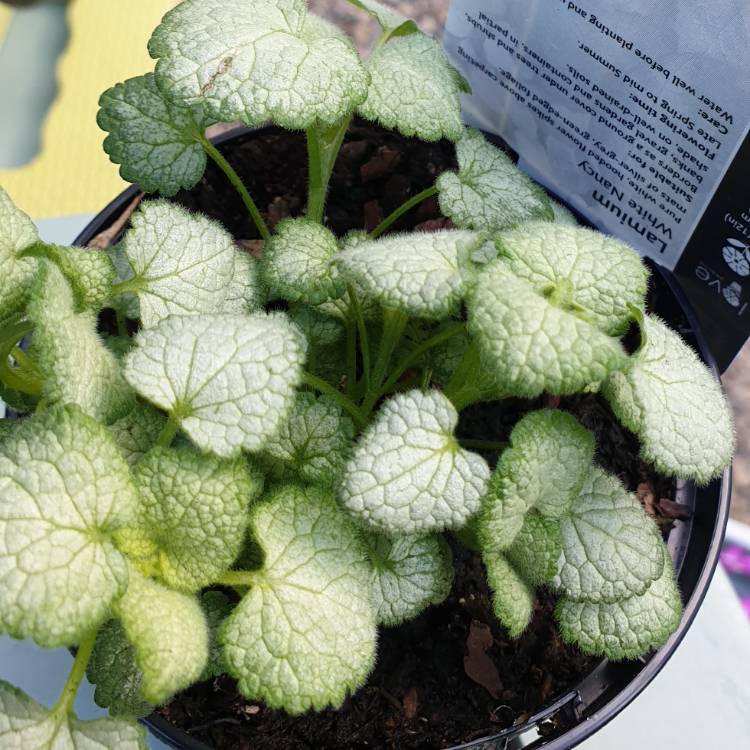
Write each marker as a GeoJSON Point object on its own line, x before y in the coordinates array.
{"type": "Point", "coordinates": [239, 186]}
{"type": "Point", "coordinates": [346, 404]}
{"type": "Point", "coordinates": [421, 350]}
{"type": "Point", "coordinates": [393, 327]}
{"type": "Point", "coordinates": [131, 286]}
{"type": "Point", "coordinates": [401, 210]}
{"type": "Point", "coordinates": [122, 326]}
{"type": "Point", "coordinates": [323, 147]}
{"type": "Point", "coordinates": [25, 362]}
{"type": "Point", "coordinates": [351, 356]}
{"type": "Point", "coordinates": [234, 578]}
{"type": "Point", "coordinates": [15, 378]}
{"type": "Point", "coordinates": [483, 445]}
{"type": "Point", "coordinates": [64, 705]}
{"type": "Point", "coordinates": [169, 432]}
{"type": "Point", "coordinates": [355, 308]}
{"type": "Point", "coordinates": [316, 200]}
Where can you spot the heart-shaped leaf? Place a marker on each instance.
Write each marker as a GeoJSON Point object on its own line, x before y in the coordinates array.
{"type": "Point", "coordinates": [408, 475]}
{"type": "Point", "coordinates": [414, 89]}
{"type": "Point", "coordinates": [304, 635]}
{"type": "Point", "coordinates": [194, 511]}
{"type": "Point", "coordinates": [258, 60]}
{"type": "Point", "coordinates": [409, 573]}
{"type": "Point", "coordinates": [489, 191]}
{"type": "Point", "coordinates": [229, 380]}
{"type": "Point", "coordinates": [169, 633]}
{"type": "Point", "coordinates": [64, 491]}
{"type": "Point", "coordinates": [296, 263]}
{"type": "Point", "coordinates": [668, 397]}
{"type": "Point", "coordinates": [535, 342]}
{"type": "Point", "coordinates": [25, 725]}
{"type": "Point", "coordinates": [417, 273]}
{"type": "Point", "coordinates": [611, 549]}
{"type": "Point", "coordinates": [78, 369]}
{"type": "Point", "coordinates": [157, 142]}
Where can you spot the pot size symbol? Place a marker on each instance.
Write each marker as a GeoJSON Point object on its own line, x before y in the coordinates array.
{"type": "Point", "coordinates": [733, 294]}
{"type": "Point", "coordinates": [737, 256]}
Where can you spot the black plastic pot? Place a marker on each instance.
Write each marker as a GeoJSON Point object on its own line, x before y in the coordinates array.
{"type": "Point", "coordinates": [695, 545]}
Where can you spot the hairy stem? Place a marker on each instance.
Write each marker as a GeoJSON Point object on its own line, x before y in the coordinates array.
{"type": "Point", "coordinates": [317, 189]}
{"type": "Point", "coordinates": [351, 356]}
{"type": "Point", "coordinates": [393, 327]}
{"type": "Point", "coordinates": [346, 404]}
{"type": "Point", "coordinates": [415, 200]}
{"type": "Point", "coordinates": [323, 147]}
{"type": "Point", "coordinates": [415, 355]}
{"type": "Point", "coordinates": [65, 702]}
{"type": "Point", "coordinates": [168, 434]}
{"type": "Point", "coordinates": [239, 186]}
{"type": "Point", "coordinates": [355, 309]}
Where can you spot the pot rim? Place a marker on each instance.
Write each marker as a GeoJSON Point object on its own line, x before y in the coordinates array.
{"type": "Point", "coordinates": [595, 700]}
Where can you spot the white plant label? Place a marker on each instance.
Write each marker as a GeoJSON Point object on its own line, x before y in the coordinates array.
{"type": "Point", "coordinates": [635, 115]}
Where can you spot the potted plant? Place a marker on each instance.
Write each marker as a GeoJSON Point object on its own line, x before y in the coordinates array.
{"type": "Point", "coordinates": [252, 466]}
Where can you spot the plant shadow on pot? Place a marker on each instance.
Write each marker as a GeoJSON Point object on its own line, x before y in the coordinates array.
{"type": "Point", "coordinates": [372, 178]}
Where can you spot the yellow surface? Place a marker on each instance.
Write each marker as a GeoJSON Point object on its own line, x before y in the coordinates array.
{"type": "Point", "coordinates": [72, 174]}
{"type": "Point", "coordinates": [5, 13]}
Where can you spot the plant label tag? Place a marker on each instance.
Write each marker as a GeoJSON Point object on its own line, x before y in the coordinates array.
{"type": "Point", "coordinates": [635, 115]}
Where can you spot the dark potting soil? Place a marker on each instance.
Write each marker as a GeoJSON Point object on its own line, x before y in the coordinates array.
{"type": "Point", "coordinates": [452, 675]}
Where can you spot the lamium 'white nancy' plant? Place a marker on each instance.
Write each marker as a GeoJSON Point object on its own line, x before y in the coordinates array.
{"type": "Point", "coordinates": [321, 435]}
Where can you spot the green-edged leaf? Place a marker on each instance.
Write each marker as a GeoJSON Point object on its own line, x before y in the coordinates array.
{"type": "Point", "coordinates": [670, 399]}
{"type": "Point", "coordinates": [17, 232]}
{"type": "Point", "coordinates": [534, 344]}
{"type": "Point", "coordinates": [7, 427]}
{"type": "Point", "coordinates": [408, 475]}
{"type": "Point", "coordinates": [217, 607]}
{"type": "Point", "coordinates": [625, 629]}
{"type": "Point", "coordinates": [599, 277]}
{"type": "Point", "coordinates": [156, 142]}
{"type": "Point", "coordinates": [548, 460]}
{"type": "Point", "coordinates": [535, 552]}
{"type": "Point", "coordinates": [137, 432]}
{"type": "Point", "coordinates": [90, 272]}
{"type": "Point", "coordinates": [414, 89]}
{"type": "Point", "coordinates": [258, 60]}
{"type": "Point", "coordinates": [170, 635]}
{"type": "Point", "coordinates": [417, 273]}
{"type": "Point", "coordinates": [319, 330]}
{"type": "Point", "coordinates": [26, 725]}
{"type": "Point", "coordinates": [78, 369]}
{"type": "Point", "coordinates": [512, 597]}
{"type": "Point", "coordinates": [409, 573]}
{"type": "Point", "coordinates": [182, 263]}
{"type": "Point", "coordinates": [489, 191]}
{"type": "Point", "coordinates": [611, 549]}
{"type": "Point", "coordinates": [296, 263]}
{"type": "Point", "coordinates": [64, 489]}
{"type": "Point", "coordinates": [304, 635]}
{"type": "Point", "coordinates": [326, 342]}
{"type": "Point", "coordinates": [194, 509]}
{"type": "Point", "coordinates": [230, 380]}
{"type": "Point", "coordinates": [390, 20]}
{"type": "Point", "coordinates": [314, 442]}
{"type": "Point", "coordinates": [112, 669]}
